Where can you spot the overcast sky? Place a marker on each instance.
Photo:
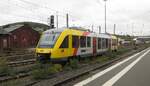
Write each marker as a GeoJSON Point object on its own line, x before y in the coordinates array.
{"type": "Point", "coordinates": [130, 16]}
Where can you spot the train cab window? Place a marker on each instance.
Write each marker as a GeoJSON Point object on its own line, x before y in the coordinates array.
{"type": "Point", "coordinates": [48, 40]}
{"type": "Point", "coordinates": [82, 41]}
{"type": "Point", "coordinates": [88, 41]}
{"type": "Point", "coordinates": [65, 43]}
{"type": "Point", "coordinates": [75, 41]}
{"type": "Point", "coordinates": [99, 43]}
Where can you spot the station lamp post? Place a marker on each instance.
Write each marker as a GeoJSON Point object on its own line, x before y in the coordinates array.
{"type": "Point", "coordinates": [105, 17]}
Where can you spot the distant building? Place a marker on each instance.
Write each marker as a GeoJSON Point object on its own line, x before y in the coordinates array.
{"type": "Point", "coordinates": [142, 39]}
{"type": "Point", "coordinates": [18, 36]}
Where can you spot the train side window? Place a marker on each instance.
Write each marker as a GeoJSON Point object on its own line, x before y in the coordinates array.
{"type": "Point", "coordinates": [99, 43]}
{"type": "Point", "coordinates": [82, 41]}
{"type": "Point", "coordinates": [75, 41]}
{"type": "Point", "coordinates": [65, 43]}
{"type": "Point", "coordinates": [106, 43]}
{"type": "Point", "coordinates": [113, 42]}
{"type": "Point", "coordinates": [103, 43]}
{"type": "Point", "coordinates": [109, 43]}
{"type": "Point", "coordinates": [88, 41]}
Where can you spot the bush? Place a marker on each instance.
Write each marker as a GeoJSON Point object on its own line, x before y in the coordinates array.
{"type": "Point", "coordinates": [67, 67]}
{"type": "Point", "coordinates": [122, 50]}
{"type": "Point", "coordinates": [39, 74]}
{"type": "Point", "coordinates": [111, 54]}
{"type": "Point", "coordinates": [43, 71]}
{"type": "Point", "coordinates": [74, 63]}
{"type": "Point", "coordinates": [102, 59]}
{"type": "Point", "coordinates": [58, 67]}
{"type": "Point", "coordinates": [87, 60]}
{"type": "Point", "coordinates": [4, 68]}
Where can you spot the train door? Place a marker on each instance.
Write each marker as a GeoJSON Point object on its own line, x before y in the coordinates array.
{"type": "Point", "coordinates": [65, 47]}
{"type": "Point", "coordinates": [94, 46]}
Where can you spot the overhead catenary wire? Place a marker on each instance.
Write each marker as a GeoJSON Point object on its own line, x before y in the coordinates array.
{"type": "Point", "coordinates": [74, 19]}
{"type": "Point", "coordinates": [31, 16]}
{"type": "Point", "coordinates": [45, 7]}
{"type": "Point", "coordinates": [62, 14]}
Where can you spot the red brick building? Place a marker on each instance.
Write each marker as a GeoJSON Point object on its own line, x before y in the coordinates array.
{"type": "Point", "coordinates": [18, 36]}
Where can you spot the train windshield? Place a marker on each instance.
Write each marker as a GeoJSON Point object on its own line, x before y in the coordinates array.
{"type": "Point", "coordinates": [48, 40]}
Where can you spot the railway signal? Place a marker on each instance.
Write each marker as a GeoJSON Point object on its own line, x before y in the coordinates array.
{"type": "Point", "coordinates": [52, 21]}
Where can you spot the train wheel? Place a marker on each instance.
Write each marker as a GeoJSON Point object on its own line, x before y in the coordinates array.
{"type": "Point", "coordinates": [115, 50]}
{"type": "Point", "coordinates": [63, 63]}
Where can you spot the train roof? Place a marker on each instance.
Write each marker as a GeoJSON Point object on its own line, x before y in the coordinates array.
{"type": "Point", "coordinates": [103, 35]}
{"type": "Point", "coordinates": [59, 30]}
{"type": "Point", "coordinates": [113, 37]}
{"type": "Point", "coordinates": [54, 30]}
{"type": "Point", "coordinates": [64, 28]}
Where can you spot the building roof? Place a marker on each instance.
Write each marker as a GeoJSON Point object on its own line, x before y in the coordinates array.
{"type": "Point", "coordinates": [38, 29]}
{"type": "Point", "coordinates": [2, 31]}
{"type": "Point", "coordinates": [12, 28]}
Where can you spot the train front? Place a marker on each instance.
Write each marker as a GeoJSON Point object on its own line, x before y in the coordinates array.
{"type": "Point", "coordinates": [46, 45]}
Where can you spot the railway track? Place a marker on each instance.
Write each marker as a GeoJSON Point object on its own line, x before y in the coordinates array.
{"type": "Point", "coordinates": [18, 60]}
{"type": "Point", "coordinates": [62, 79]}
{"type": "Point", "coordinates": [19, 74]}
{"type": "Point", "coordinates": [21, 63]}
{"type": "Point", "coordinates": [94, 68]}
{"type": "Point", "coordinates": [10, 53]}
{"type": "Point", "coordinates": [19, 57]}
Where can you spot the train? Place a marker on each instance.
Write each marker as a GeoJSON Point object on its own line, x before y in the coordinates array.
{"type": "Point", "coordinates": [58, 45]}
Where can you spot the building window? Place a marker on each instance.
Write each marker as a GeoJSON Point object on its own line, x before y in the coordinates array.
{"type": "Point", "coordinates": [4, 43]}
{"type": "Point", "coordinates": [99, 43]}
{"type": "Point", "coordinates": [82, 41]}
{"type": "Point", "coordinates": [65, 43]}
{"type": "Point", "coordinates": [15, 37]}
{"type": "Point", "coordinates": [75, 41]}
{"type": "Point", "coordinates": [88, 41]}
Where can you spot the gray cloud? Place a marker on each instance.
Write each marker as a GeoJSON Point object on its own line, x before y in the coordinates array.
{"type": "Point", "coordinates": [82, 12]}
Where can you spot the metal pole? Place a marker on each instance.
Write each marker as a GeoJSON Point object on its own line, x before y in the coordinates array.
{"type": "Point", "coordinates": [142, 30]}
{"type": "Point", "coordinates": [114, 29]}
{"type": "Point", "coordinates": [57, 20]}
{"type": "Point", "coordinates": [67, 20]}
{"type": "Point", "coordinates": [132, 29]}
{"type": "Point", "coordinates": [92, 28]}
{"type": "Point", "coordinates": [99, 29]}
{"type": "Point", "coordinates": [105, 17]}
